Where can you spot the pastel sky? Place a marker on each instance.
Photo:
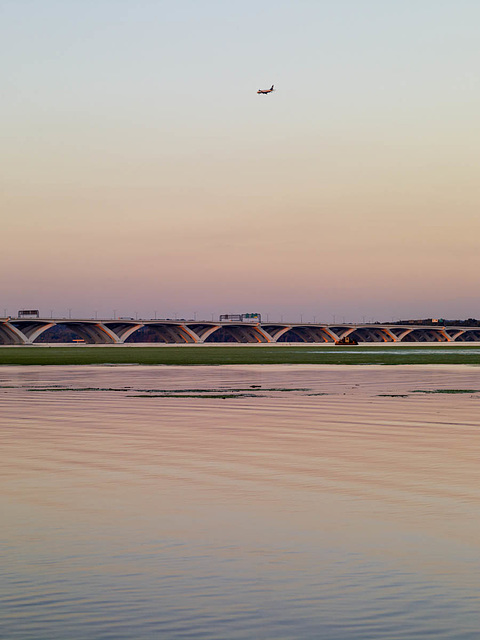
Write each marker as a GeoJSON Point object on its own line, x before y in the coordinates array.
{"type": "Point", "coordinates": [142, 173]}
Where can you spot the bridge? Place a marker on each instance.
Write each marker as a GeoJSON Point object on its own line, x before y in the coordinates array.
{"type": "Point", "coordinates": [27, 331]}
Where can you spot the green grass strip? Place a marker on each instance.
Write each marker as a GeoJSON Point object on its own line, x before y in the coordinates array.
{"type": "Point", "coordinates": [157, 355]}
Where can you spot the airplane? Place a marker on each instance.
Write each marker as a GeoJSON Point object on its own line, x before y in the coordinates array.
{"type": "Point", "coordinates": [265, 91]}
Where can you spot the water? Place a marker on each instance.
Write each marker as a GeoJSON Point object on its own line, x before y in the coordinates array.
{"type": "Point", "coordinates": [130, 510]}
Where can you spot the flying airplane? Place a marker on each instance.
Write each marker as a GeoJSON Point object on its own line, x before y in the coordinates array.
{"type": "Point", "coordinates": [265, 91]}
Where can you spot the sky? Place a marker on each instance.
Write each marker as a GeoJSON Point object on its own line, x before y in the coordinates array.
{"type": "Point", "coordinates": [142, 175]}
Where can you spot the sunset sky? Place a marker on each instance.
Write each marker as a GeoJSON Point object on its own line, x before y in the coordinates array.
{"type": "Point", "coordinates": [142, 173]}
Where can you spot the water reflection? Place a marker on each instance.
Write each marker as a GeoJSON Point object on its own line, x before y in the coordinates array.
{"type": "Point", "coordinates": [285, 515]}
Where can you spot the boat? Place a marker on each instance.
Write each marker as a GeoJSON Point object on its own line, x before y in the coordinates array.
{"type": "Point", "coordinates": [347, 340]}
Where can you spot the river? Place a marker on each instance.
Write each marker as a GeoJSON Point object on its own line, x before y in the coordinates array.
{"type": "Point", "coordinates": [239, 502]}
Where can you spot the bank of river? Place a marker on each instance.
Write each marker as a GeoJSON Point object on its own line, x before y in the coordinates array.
{"type": "Point", "coordinates": [241, 354]}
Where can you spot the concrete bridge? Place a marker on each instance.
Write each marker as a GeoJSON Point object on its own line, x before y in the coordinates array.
{"type": "Point", "coordinates": [18, 331]}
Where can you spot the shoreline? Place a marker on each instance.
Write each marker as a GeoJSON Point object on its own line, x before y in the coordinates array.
{"type": "Point", "coordinates": [239, 345]}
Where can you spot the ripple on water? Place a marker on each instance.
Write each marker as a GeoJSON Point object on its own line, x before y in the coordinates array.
{"type": "Point", "coordinates": [289, 515]}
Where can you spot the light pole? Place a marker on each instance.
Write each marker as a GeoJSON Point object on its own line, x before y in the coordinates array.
{"type": "Point", "coordinates": [70, 313]}
{"type": "Point", "coordinates": [114, 314]}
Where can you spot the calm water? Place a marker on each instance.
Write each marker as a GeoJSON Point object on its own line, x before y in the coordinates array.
{"type": "Point", "coordinates": [134, 506]}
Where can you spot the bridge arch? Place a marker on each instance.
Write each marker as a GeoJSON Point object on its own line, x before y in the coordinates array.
{"type": "Point", "coordinates": [371, 334]}
{"type": "Point", "coordinates": [32, 329]}
{"type": "Point", "coordinates": [93, 333]}
{"type": "Point", "coordinates": [161, 332]}
{"type": "Point", "coordinates": [57, 333]}
{"type": "Point", "coordinates": [10, 334]}
{"type": "Point", "coordinates": [246, 333]}
{"type": "Point", "coordinates": [472, 335]}
{"type": "Point", "coordinates": [90, 332]}
{"type": "Point", "coordinates": [305, 333]}
{"type": "Point", "coordinates": [425, 335]}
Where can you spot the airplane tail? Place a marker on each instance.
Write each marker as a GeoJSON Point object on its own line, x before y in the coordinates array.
{"type": "Point", "coordinates": [271, 88]}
